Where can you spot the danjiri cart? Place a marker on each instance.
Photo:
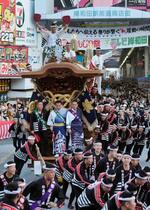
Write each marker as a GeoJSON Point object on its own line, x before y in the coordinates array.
{"type": "Point", "coordinates": [63, 81]}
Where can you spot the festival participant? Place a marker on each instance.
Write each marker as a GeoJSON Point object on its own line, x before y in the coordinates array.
{"type": "Point", "coordinates": [109, 174]}
{"type": "Point", "coordinates": [135, 162]}
{"type": "Point", "coordinates": [83, 175]}
{"type": "Point", "coordinates": [22, 203]}
{"type": "Point", "coordinates": [57, 123]}
{"type": "Point", "coordinates": [140, 140]}
{"type": "Point", "coordinates": [124, 135]}
{"type": "Point", "coordinates": [142, 193]}
{"type": "Point", "coordinates": [98, 62]}
{"type": "Point", "coordinates": [8, 176]}
{"type": "Point", "coordinates": [122, 117]}
{"type": "Point", "coordinates": [112, 117]}
{"type": "Point", "coordinates": [113, 135]}
{"type": "Point", "coordinates": [69, 55]}
{"type": "Point", "coordinates": [44, 191]}
{"type": "Point", "coordinates": [95, 195]}
{"type": "Point", "coordinates": [97, 155]}
{"type": "Point", "coordinates": [60, 164]}
{"type": "Point", "coordinates": [132, 119]}
{"type": "Point", "coordinates": [11, 197]}
{"type": "Point", "coordinates": [104, 130]}
{"type": "Point", "coordinates": [146, 205]}
{"type": "Point", "coordinates": [148, 143]}
{"type": "Point", "coordinates": [24, 153]}
{"type": "Point", "coordinates": [109, 161]}
{"type": "Point", "coordinates": [123, 174]}
{"type": "Point", "coordinates": [119, 157]}
{"type": "Point", "coordinates": [132, 188]}
{"type": "Point", "coordinates": [38, 127]}
{"type": "Point", "coordinates": [121, 201]}
{"type": "Point", "coordinates": [68, 174]}
{"type": "Point", "coordinates": [139, 180]}
{"type": "Point", "coordinates": [130, 141]}
{"type": "Point", "coordinates": [53, 38]}
{"type": "Point", "coordinates": [88, 144]}
{"type": "Point", "coordinates": [74, 126]}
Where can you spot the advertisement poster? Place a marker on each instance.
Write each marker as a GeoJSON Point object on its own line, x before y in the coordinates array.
{"type": "Point", "coordinates": [70, 4]}
{"type": "Point", "coordinates": [13, 59]}
{"type": "Point", "coordinates": [25, 27]}
{"type": "Point", "coordinates": [7, 22]}
{"type": "Point", "coordinates": [108, 43]}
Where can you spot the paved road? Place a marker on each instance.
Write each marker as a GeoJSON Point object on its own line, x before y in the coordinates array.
{"type": "Point", "coordinates": [6, 154]}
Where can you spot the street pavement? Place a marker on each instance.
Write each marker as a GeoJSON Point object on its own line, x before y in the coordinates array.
{"type": "Point", "coordinates": [7, 151]}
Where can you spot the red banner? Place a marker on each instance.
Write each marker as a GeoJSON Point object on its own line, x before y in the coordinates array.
{"type": "Point", "coordinates": [4, 129]}
{"type": "Point", "coordinates": [7, 21]}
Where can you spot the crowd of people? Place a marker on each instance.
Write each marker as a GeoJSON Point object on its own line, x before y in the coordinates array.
{"type": "Point", "coordinates": [102, 167]}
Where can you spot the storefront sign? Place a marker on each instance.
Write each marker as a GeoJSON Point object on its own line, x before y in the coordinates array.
{"type": "Point", "coordinates": [97, 13]}
{"type": "Point", "coordinates": [25, 30]}
{"type": "Point", "coordinates": [13, 59]}
{"type": "Point", "coordinates": [7, 22]}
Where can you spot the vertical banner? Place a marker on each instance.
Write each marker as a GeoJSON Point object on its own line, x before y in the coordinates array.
{"type": "Point", "coordinates": [25, 27]}
{"type": "Point", "coordinates": [7, 22]}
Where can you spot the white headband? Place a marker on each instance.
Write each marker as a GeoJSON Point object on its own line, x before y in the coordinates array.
{"type": "Point", "coordinates": [126, 155]}
{"type": "Point", "coordinates": [135, 158]}
{"type": "Point", "coordinates": [97, 143]}
{"type": "Point", "coordinates": [89, 139]}
{"type": "Point", "coordinates": [110, 175]}
{"type": "Point", "coordinates": [49, 169]}
{"type": "Point", "coordinates": [140, 177]}
{"type": "Point", "coordinates": [76, 153]}
{"type": "Point", "coordinates": [31, 137]}
{"type": "Point", "coordinates": [107, 185]}
{"type": "Point", "coordinates": [85, 157]}
{"type": "Point", "coordinates": [126, 199]}
{"type": "Point", "coordinates": [22, 184]}
{"type": "Point", "coordinates": [8, 165]}
{"type": "Point", "coordinates": [12, 192]}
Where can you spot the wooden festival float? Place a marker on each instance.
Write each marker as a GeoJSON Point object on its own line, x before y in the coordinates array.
{"type": "Point", "coordinates": [61, 81]}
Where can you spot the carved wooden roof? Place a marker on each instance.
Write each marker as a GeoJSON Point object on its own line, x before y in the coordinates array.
{"type": "Point", "coordinates": [62, 70]}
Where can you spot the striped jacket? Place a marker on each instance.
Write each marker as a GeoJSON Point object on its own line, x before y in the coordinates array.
{"type": "Point", "coordinates": [70, 169]}
{"type": "Point", "coordinates": [60, 163]}
{"type": "Point", "coordinates": [122, 177]}
{"type": "Point", "coordinates": [93, 196]}
{"type": "Point", "coordinates": [82, 176]}
{"type": "Point", "coordinates": [22, 153]}
{"type": "Point", "coordinates": [4, 180]}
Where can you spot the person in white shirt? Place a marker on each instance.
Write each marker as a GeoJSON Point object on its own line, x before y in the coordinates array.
{"type": "Point", "coordinates": [98, 62]}
{"type": "Point", "coordinates": [69, 54]}
{"type": "Point", "coordinates": [53, 39]}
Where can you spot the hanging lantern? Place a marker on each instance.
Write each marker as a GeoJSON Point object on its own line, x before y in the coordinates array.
{"type": "Point", "coordinates": [66, 20]}
{"type": "Point", "coordinates": [37, 17]}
